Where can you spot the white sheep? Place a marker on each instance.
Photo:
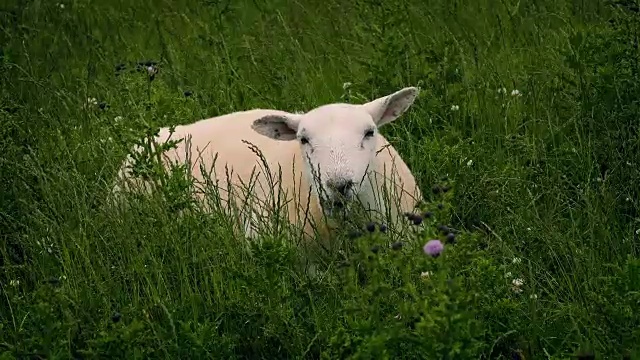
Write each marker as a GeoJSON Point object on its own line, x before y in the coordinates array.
{"type": "Point", "coordinates": [330, 158]}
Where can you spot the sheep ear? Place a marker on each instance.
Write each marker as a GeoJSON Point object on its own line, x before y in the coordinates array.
{"type": "Point", "coordinates": [277, 127]}
{"type": "Point", "coordinates": [388, 108]}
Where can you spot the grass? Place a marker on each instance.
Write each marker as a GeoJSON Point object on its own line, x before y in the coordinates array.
{"type": "Point", "coordinates": [548, 178]}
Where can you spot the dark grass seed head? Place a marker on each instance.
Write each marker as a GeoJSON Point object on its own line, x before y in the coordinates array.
{"type": "Point", "coordinates": [116, 317]}
{"type": "Point", "coordinates": [397, 245]}
{"type": "Point", "coordinates": [371, 227]}
{"type": "Point", "coordinates": [451, 238]}
{"type": "Point", "coordinates": [187, 93]}
{"type": "Point", "coordinates": [375, 249]}
{"type": "Point", "coordinates": [440, 206]}
{"type": "Point", "coordinates": [427, 215]}
{"type": "Point", "coordinates": [417, 220]}
{"type": "Point", "coordinates": [383, 228]}
{"type": "Point", "coordinates": [444, 229]}
{"type": "Point", "coordinates": [446, 189]}
{"type": "Point", "coordinates": [409, 215]}
{"type": "Point", "coordinates": [436, 189]}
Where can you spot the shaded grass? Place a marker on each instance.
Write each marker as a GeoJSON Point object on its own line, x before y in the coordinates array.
{"type": "Point", "coordinates": [549, 177]}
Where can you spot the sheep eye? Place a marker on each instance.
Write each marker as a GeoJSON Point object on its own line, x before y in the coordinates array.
{"type": "Point", "coordinates": [304, 140]}
{"type": "Point", "coordinates": [368, 134]}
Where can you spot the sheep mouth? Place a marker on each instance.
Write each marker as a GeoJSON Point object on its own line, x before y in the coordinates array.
{"type": "Point", "coordinates": [335, 206]}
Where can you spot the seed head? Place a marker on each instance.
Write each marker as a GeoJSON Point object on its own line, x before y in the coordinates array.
{"type": "Point", "coordinates": [436, 189]}
{"type": "Point", "coordinates": [417, 220]}
{"type": "Point", "coordinates": [440, 206]}
{"type": "Point", "coordinates": [433, 247]}
{"type": "Point", "coordinates": [116, 317]}
{"type": "Point", "coordinates": [451, 238]}
{"type": "Point", "coordinates": [427, 215]}
{"type": "Point", "coordinates": [397, 245]}
{"type": "Point", "coordinates": [371, 227]}
{"type": "Point", "coordinates": [383, 228]}
{"type": "Point", "coordinates": [354, 234]}
{"type": "Point", "coordinates": [187, 93]}
{"type": "Point", "coordinates": [375, 249]}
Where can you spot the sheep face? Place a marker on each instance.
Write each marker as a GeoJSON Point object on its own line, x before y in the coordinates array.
{"type": "Point", "coordinates": [338, 142]}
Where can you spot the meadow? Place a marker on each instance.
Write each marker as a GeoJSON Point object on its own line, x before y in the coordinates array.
{"type": "Point", "coordinates": [528, 115]}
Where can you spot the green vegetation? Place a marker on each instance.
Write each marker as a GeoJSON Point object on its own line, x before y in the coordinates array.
{"type": "Point", "coordinates": [544, 180]}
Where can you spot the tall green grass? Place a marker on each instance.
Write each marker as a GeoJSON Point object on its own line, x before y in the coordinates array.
{"type": "Point", "coordinates": [549, 178]}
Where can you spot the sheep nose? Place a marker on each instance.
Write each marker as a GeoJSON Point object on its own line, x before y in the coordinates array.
{"type": "Point", "coordinates": [341, 186]}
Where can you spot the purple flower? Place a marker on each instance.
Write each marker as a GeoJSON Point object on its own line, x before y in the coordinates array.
{"type": "Point", "coordinates": [433, 247]}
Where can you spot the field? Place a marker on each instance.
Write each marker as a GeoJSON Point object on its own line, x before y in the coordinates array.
{"type": "Point", "coordinates": [528, 111]}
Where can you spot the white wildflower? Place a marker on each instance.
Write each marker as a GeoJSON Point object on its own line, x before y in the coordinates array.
{"type": "Point", "coordinates": [533, 296]}
{"type": "Point", "coordinates": [516, 260]}
{"type": "Point", "coordinates": [502, 90]}
{"type": "Point", "coordinates": [426, 274]}
{"type": "Point", "coordinates": [507, 275]}
{"type": "Point", "coordinates": [516, 285]}
{"type": "Point", "coordinates": [346, 85]}
{"type": "Point", "coordinates": [61, 6]}
{"type": "Point", "coordinates": [14, 282]}
{"type": "Point", "coordinates": [92, 101]}
{"type": "Point", "coordinates": [455, 107]}
{"type": "Point", "coordinates": [118, 118]}
{"type": "Point", "coordinates": [528, 229]}
{"type": "Point", "coordinates": [470, 162]}
{"type": "Point", "coordinates": [516, 92]}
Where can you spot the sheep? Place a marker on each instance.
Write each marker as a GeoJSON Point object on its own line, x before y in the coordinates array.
{"type": "Point", "coordinates": [328, 159]}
